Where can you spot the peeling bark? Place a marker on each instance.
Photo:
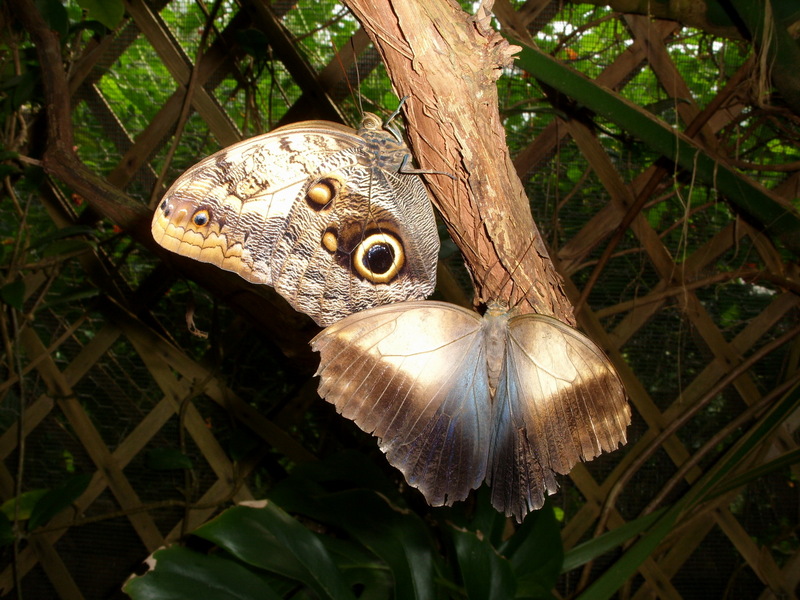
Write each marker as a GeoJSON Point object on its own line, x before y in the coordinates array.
{"type": "Point", "coordinates": [448, 62]}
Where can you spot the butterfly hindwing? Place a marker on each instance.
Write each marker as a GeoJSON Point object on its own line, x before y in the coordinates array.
{"type": "Point", "coordinates": [574, 378]}
{"type": "Point", "coordinates": [414, 375]}
{"type": "Point", "coordinates": [313, 209]}
{"type": "Point", "coordinates": [456, 399]}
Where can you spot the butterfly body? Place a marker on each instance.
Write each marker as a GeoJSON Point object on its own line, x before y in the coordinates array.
{"type": "Point", "coordinates": [321, 212]}
{"type": "Point", "coordinates": [457, 399]}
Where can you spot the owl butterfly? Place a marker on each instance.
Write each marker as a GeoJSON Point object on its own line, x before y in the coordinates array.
{"type": "Point", "coordinates": [457, 399]}
{"type": "Point", "coordinates": [331, 218]}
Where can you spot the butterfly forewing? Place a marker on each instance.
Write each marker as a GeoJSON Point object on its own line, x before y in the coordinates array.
{"type": "Point", "coordinates": [417, 380]}
{"type": "Point", "coordinates": [296, 208]}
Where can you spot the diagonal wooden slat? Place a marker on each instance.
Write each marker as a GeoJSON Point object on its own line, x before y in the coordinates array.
{"type": "Point", "coordinates": [60, 524]}
{"type": "Point", "coordinates": [302, 72]}
{"type": "Point", "coordinates": [661, 63]}
{"type": "Point", "coordinates": [150, 343]}
{"type": "Point", "coordinates": [179, 66]}
{"type": "Point", "coordinates": [217, 58]}
{"type": "Point", "coordinates": [87, 432]}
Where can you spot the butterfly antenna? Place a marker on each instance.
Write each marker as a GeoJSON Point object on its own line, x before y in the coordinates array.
{"type": "Point", "coordinates": [405, 165]}
{"type": "Point", "coordinates": [352, 93]}
{"type": "Point", "coordinates": [356, 93]}
{"type": "Point", "coordinates": [519, 263]}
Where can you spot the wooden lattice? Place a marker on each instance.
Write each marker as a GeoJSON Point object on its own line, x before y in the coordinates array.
{"type": "Point", "coordinates": [75, 383]}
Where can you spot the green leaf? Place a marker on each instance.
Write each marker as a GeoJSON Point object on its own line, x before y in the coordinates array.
{"type": "Point", "coordinates": [536, 553]}
{"type": "Point", "coordinates": [54, 501]}
{"type": "Point", "coordinates": [54, 299]}
{"type": "Point", "coordinates": [67, 247]}
{"type": "Point", "coordinates": [485, 573]}
{"type": "Point", "coordinates": [7, 169]}
{"type": "Point", "coordinates": [350, 468]}
{"type": "Point", "coordinates": [397, 536]}
{"type": "Point", "coordinates": [167, 459]}
{"type": "Point", "coordinates": [64, 232]}
{"type": "Point", "coordinates": [360, 568]}
{"type": "Point", "coordinates": [108, 12]}
{"type": "Point", "coordinates": [481, 516]}
{"type": "Point", "coordinates": [615, 577]}
{"type": "Point", "coordinates": [55, 15]}
{"type": "Point", "coordinates": [180, 573]}
{"type": "Point", "coordinates": [20, 88]}
{"type": "Point", "coordinates": [254, 43]}
{"type": "Point", "coordinates": [13, 294]}
{"type": "Point", "coordinates": [784, 461]}
{"type": "Point", "coordinates": [587, 551]}
{"type": "Point", "coordinates": [610, 581]}
{"type": "Point", "coordinates": [778, 218]}
{"type": "Point", "coordinates": [26, 500]}
{"type": "Point", "coordinates": [270, 539]}
{"type": "Point", "coordinates": [6, 531]}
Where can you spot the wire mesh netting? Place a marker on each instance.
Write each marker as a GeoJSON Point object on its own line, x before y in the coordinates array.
{"type": "Point", "coordinates": [173, 426]}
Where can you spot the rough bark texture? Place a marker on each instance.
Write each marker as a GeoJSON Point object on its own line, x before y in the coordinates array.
{"type": "Point", "coordinates": [447, 62]}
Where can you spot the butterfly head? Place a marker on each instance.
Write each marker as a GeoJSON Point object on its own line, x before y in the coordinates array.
{"type": "Point", "coordinates": [497, 307]}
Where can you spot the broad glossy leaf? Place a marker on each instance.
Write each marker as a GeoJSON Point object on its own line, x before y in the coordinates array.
{"type": "Point", "coordinates": [26, 501]}
{"type": "Point", "coordinates": [486, 574]}
{"type": "Point", "coordinates": [55, 15]}
{"type": "Point", "coordinates": [360, 568]}
{"type": "Point", "coordinates": [108, 12]}
{"type": "Point", "coordinates": [54, 501]}
{"type": "Point", "coordinates": [270, 539]}
{"type": "Point", "coordinates": [180, 573]}
{"type": "Point", "coordinates": [396, 535]}
{"type": "Point", "coordinates": [536, 554]}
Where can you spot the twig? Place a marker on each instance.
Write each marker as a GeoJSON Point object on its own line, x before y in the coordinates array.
{"type": "Point", "coordinates": [194, 77]}
{"type": "Point", "coordinates": [692, 130]}
{"type": "Point", "coordinates": [670, 430]}
{"type": "Point", "coordinates": [751, 412]}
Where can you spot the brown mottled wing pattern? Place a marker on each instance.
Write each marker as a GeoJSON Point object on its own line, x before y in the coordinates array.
{"type": "Point", "coordinates": [313, 209]}
{"type": "Point", "coordinates": [456, 399]}
{"type": "Point", "coordinates": [414, 375]}
{"type": "Point", "coordinates": [558, 401]}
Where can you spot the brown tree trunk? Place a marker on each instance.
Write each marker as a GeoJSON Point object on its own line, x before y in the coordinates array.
{"type": "Point", "coordinates": [448, 61]}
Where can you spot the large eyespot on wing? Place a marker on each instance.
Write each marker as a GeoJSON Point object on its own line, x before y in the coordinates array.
{"type": "Point", "coordinates": [414, 375]}
{"type": "Point", "coordinates": [367, 250]}
{"type": "Point", "coordinates": [559, 400]}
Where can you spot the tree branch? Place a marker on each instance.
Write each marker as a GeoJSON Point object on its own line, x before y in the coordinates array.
{"type": "Point", "coordinates": [59, 158]}
{"type": "Point", "coordinates": [260, 304]}
{"type": "Point", "coordinates": [448, 61]}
